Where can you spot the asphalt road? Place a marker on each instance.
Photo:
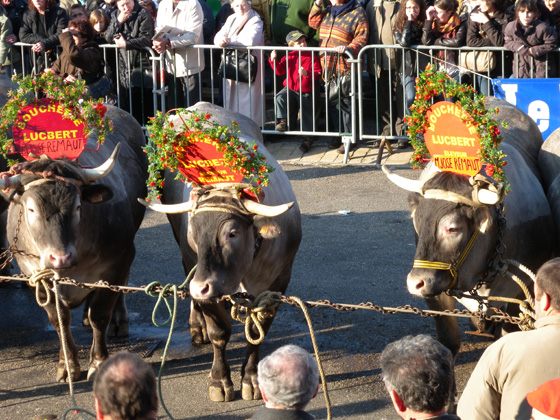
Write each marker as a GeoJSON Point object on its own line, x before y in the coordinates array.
{"type": "Point", "coordinates": [362, 255]}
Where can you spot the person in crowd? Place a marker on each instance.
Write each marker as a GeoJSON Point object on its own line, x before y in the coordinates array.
{"type": "Point", "coordinates": [407, 30]}
{"type": "Point", "coordinates": [382, 68]}
{"type": "Point", "coordinates": [243, 28]}
{"type": "Point", "coordinates": [551, 13]}
{"type": "Point", "coordinates": [150, 6]}
{"type": "Point", "coordinates": [342, 25]}
{"type": "Point", "coordinates": [208, 24]}
{"type": "Point", "coordinates": [131, 29]}
{"type": "Point", "coordinates": [304, 71]}
{"type": "Point", "coordinates": [7, 38]}
{"type": "Point", "coordinates": [418, 374]}
{"type": "Point", "coordinates": [444, 27]}
{"type": "Point", "coordinates": [15, 10]}
{"type": "Point", "coordinates": [42, 24]}
{"type": "Point", "coordinates": [519, 361]}
{"type": "Point", "coordinates": [77, 11]}
{"type": "Point", "coordinates": [81, 57]}
{"type": "Point", "coordinates": [183, 65]}
{"type": "Point", "coordinates": [125, 389]}
{"type": "Point", "coordinates": [289, 15]}
{"type": "Point", "coordinates": [288, 381]}
{"type": "Point", "coordinates": [88, 5]}
{"type": "Point", "coordinates": [100, 22]}
{"type": "Point", "coordinates": [545, 401]}
{"type": "Point", "coordinates": [108, 6]}
{"type": "Point", "coordinates": [485, 28]}
{"type": "Point", "coordinates": [262, 7]}
{"type": "Point", "coordinates": [531, 40]}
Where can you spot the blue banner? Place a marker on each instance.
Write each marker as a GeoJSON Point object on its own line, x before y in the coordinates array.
{"type": "Point", "coordinates": [538, 98]}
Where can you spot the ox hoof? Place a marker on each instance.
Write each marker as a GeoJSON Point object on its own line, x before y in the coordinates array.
{"type": "Point", "coordinates": [250, 392]}
{"type": "Point", "coordinates": [85, 322]}
{"type": "Point", "coordinates": [120, 330]}
{"type": "Point", "coordinates": [62, 374]}
{"type": "Point", "coordinates": [219, 394]}
{"type": "Point", "coordinates": [91, 372]}
{"type": "Point", "coordinates": [199, 336]}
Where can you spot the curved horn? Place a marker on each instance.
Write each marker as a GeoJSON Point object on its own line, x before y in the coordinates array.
{"type": "Point", "coordinates": [105, 168]}
{"type": "Point", "coordinates": [488, 197]}
{"type": "Point", "coordinates": [168, 208]}
{"type": "Point", "coordinates": [264, 210]}
{"type": "Point", "coordinates": [405, 183]}
{"type": "Point", "coordinates": [12, 183]}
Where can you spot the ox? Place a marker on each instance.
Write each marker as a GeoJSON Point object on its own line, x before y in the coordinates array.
{"type": "Point", "coordinates": [64, 221]}
{"type": "Point", "coordinates": [238, 245]}
{"type": "Point", "coordinates": [549, 163]}
{"type": "Point", "coordinates": [447, 210]}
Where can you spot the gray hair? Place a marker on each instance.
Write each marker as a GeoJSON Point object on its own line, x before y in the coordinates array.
{"type": "Point", "coordinates": [289, 377]}
{"type": "Point", "coordinates": [420, 370]}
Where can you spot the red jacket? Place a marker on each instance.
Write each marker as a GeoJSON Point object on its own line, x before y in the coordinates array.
{"type": "Point", "coordinates": [309, 64]}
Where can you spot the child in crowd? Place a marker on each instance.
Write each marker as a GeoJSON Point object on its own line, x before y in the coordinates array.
{"type": "Point", "coordinates": [304, 71]}
{"type": "Point", "coordinates": [530, 39]}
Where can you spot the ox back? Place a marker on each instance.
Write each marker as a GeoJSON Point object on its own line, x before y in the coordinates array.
{"type": "Point", "coordinates": [253, 268]}
{"type": "Point", "coordinates": [84, 232]}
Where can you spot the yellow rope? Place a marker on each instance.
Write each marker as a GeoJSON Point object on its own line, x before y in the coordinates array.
{"type": "Point", "coordinates": [256, 312]}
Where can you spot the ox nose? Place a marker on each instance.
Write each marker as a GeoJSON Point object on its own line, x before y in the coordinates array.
{"type": "Point", "coordinates": [422, 285]}
{"type": "Point", "coordinates": [61, 261]}
{"type": "Point", "coordinates": [202, 290]}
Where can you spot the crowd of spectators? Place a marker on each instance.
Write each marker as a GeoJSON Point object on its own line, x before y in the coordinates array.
{"type": "Point", "coordinates": [528, 30]}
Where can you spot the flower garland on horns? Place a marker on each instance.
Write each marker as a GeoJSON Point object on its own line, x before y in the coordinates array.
{"type": "Point", "coordinates": [431, 84]}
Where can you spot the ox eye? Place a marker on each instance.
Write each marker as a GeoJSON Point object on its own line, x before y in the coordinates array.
{"type": "Point", "coordinates": [452, 230]}
{"type": "Point", "coordinates": [233, 234]}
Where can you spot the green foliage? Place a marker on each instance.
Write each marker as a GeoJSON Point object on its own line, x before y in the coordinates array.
{"type": "Point", "coordinates": [165, 138]}
{"type": "Point", "coordinates": [430, 84]}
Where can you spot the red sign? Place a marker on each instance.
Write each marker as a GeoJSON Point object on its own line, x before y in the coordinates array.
{"type": "Point", "coordinates": [201, 162]}
{"type": "Point", "coordinates": [452, 139]}
{"type": "Point", "coordinates": [40, 129]}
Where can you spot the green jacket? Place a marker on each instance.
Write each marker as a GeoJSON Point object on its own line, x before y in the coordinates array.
{"type": "Point", "coordinates": [289, 15]}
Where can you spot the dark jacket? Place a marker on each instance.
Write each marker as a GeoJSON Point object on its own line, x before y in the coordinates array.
{"type": "Point", "coordinates": [43, 28]}
{"type": "Point", "coordinates": [455, 39]}
{"type": "Point", "coordinates": [489, 34]}
{"type": "Point", "coordinates": [138, 31]}
{"type": "Point", "coordinates": [540, 38]}
{"type": "Point", "coordinates": [272, 414]}
{"type": "Point", "coordinates": [411, 35]}
{"type": "Point", "coordinates": [86, 59]}
{"type": "Point", "coordinates": [16, 9]}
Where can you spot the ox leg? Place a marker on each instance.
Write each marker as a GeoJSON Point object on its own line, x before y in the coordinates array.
{"type": "Point", "coordinates": [199, 334]}
{"type": "Point", "coordinates": [73, 362]}
{"type": "Point", "coordinates": [101, 305]}
{"type": "Point", "coordinates": [448, 334]}
{"type": "Point", "coordinates": [118, 327]}
{"type": "Point", "coordinates": [219, 332]}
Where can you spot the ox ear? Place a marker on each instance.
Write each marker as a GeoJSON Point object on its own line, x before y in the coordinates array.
{"type": "Point", "coordinates": [96, 194]}
{"type": "Point", "coordinates": [266, 227]}
{"type": "Point", "coordinates": [413, 201]}
{"type": "Point", "coordinates": [483, 219]}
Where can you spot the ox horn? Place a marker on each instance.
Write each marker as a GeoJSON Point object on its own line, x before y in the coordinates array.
{"type": "Point", "coordinates": [404, 183]}
{"type": "Point", "coordinates": [168, 208]}
{"type": "Point", "coordinates": [99, 172]}
{"type": "Point", "coordinates": [11, 182]}
{"type": "Point", "coordinates": [264, 210]}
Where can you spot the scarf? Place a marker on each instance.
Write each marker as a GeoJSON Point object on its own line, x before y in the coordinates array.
{"type": "Point", "coordinates": [447, 30]}
{"type": "Point", "coordinates": [339, 10]}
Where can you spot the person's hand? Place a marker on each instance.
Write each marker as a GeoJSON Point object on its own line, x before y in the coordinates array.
{"type": "Point", "coordinates": [412, 14]}
{"type": "Point", "coordinates": [340, 49]}
{"type": "Point", "coordinates": [479, 17]}
{"type": "Point", "coordinates": [224, 42]}
{"type": "Point", "coordinates": [120, 41]}
{"type": "Point", "coordinates": [123, 16]}
{"type": "Point", "coordinates": [431, 13]}
{"type": "Point", "coordinates": [302, 72]}
{"type": "Point", "coordinates": [10, 39]}
{"type": "Point", "coordinates": [161, 44]}
{"type": "Point", "coordinates": [38, 47]}
{"type": "Point", "coordinates": [273, 55]}
{"type": "Point", "coordinates": [70, 79]}
{"type": "Point", "coordinates": [47, 70]}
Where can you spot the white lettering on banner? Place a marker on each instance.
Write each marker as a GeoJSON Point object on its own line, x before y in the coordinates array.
{"type": "Point", "coordinates": [540, 113]}
{"type": "Point", "coordinates": [510, 90]}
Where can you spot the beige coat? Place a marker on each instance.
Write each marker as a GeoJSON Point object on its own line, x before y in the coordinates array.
{"type": "Point", "coordinates": [187, 18]}
{"type": "Point", "coordinates": [509, 369]}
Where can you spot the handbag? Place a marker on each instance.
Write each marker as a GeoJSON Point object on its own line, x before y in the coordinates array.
{"type": "Point", "coordinates": [238, 65]}
{"type": "Point", "coordinates": [477, 61]}
{"type": "Point", "coordinates": [141, 78]}
{"type": "Point", "coordinates": [339, 87]}
{"type": "Point", "coordinates": [100, 88]}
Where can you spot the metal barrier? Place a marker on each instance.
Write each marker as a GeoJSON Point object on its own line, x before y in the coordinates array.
{"type": "Point", "coordinates": [384, 64]}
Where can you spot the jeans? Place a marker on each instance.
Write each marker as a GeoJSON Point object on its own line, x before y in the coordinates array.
{"type": "Point", "coordinates": [289, 99]}
{"type": "Point", "coordinates": [409, 91]}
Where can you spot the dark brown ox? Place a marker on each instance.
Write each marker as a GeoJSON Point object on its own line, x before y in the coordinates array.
{"type": "Point", "coordinates": [238, 245]}
{"type": "Point", "coordinates": [447, 210]}
{"type": "Point", "coordinates": [82, 229]}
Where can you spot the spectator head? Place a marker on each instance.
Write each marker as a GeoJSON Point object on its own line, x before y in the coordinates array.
{"type": "Point", "coordinates": [77, 11]}
{"type": "Point", "coordinates": [125, 388]}
{"type": "Point", "coordinates": [84, 28]}
{"type": "Point", "coordinates": [289, 378]}
{"type": "Point", "coordinates": [241, 7]}
{"type": "Point", "coordinates": [125, 5]}
{"type": "Point", "coordinates": [418, 374]}
{"type": "Point", "coordinates": [296, 38]}
{"type": "Point", "coordinates": [526, 11]}
{"type": "Point", "coordinates": [100, 20]}
{"type": "Point", "coordinates": [552, 5]}
{"type": "Point", "coordinates": [547, 288]}
{"type": "Point", "coordinates": [493, 5]}
{"type": "Point", "coordinates": [445, 9]}
{"type": "Point", "coordinates": [545, 401]}
{"type": "Point", "coordinates": [150, 6]}
{"type": "Point", "coordinates": [41, 5]}
{"type": "Point", "coordinates": [418, 7]}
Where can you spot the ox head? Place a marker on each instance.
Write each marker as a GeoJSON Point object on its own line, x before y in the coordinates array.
{"type": "Point", "coordinates": [225, 230]}
{"type": "Point", "coordinates": [49, 194]}
{"type": "Point", "coordinates": [451, 213]}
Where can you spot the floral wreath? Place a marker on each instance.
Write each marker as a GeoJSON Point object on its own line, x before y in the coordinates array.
{"type": "Point", "coordinates": [89, 111]}
{"type": "Point", "coordinates": [164, 137]}
{"type": "Point", "coordinates": [430, 84]}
